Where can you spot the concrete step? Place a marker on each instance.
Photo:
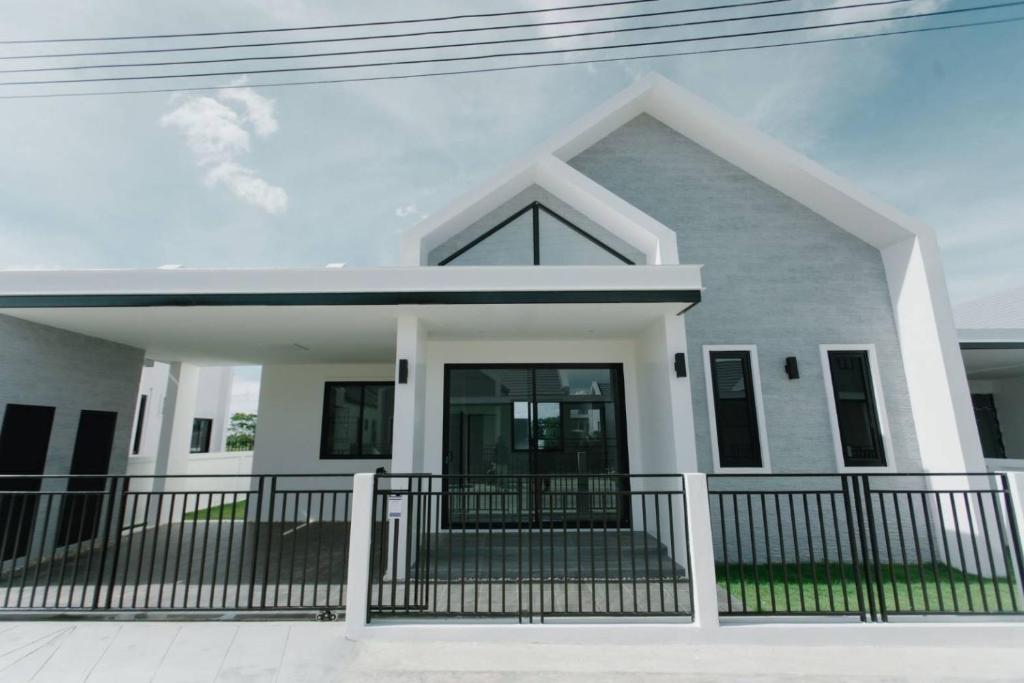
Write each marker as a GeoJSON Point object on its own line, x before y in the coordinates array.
{"type": "Point", "coordinates": [553, 554]}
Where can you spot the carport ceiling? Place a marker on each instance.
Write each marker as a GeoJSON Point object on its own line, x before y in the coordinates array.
{"type": "Point", "coordinates": [333, 334]}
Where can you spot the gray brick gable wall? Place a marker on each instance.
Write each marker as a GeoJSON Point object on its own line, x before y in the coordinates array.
{"type": "Point", "coordinates": [776, 274]}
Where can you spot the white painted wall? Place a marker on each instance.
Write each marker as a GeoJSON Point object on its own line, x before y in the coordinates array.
{"type": "Point", "coordinates": [153, 386]}
{"type": "Point", "coordinates": [291, 415]}
{"type": "Point", "coordinates": [213, 400]}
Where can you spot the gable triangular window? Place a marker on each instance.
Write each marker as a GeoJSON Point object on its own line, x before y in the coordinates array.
{"type": "Point", "coordinates": [536, 235]}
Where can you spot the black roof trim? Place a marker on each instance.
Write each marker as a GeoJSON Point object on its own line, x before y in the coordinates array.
{"type": "Point", "coordinates": [990, 345]}
{"type": "Point", "coordinates": [629, 296]}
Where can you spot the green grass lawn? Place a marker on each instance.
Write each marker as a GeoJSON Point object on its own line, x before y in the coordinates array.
{"type": "Point", "coordinates": [230, 511]}
{"type": "Point", "coordinates": [904, 589]}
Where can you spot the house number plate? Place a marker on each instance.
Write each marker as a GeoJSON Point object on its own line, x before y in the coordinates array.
{"type": "Point", "coordinates": [396, 504]}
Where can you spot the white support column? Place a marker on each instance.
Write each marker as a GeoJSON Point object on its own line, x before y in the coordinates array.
{"type": "Point", "coordinates": [940, 400]}
{"type": "Point", "coordinates": [407, 437]}
{"type": "Point", "coordinates": [680, 393]}
{"type": "Point", "coordinates": [702, 553]}
{"type": "Point", "coordinates": [176, 425]}
{"type": "Point", "coordinates": [360, 535]}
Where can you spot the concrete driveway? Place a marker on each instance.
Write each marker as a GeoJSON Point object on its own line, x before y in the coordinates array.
{"type": "Point", "coordinates": [305, 651]}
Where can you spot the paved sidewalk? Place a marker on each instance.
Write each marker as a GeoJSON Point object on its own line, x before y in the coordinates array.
{"type": "Point", "coordinates": [303, 651]}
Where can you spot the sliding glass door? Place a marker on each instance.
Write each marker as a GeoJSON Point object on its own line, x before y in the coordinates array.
{"type": "Point", "coordinates": [561, 424]}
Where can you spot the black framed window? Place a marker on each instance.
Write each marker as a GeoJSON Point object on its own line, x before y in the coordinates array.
{"type": "Point", "coordinates": [357, 420]}
{"type": "Point", "coordinates": [856, 411]}
{"type": "Point", "coordinates": [988, 426]}
{"type": "Point", "coordinates": [539, 236]}
{"type": "Point", "coordinates": [202, 428]}
{"type": "Point", "coordinates": [137, 442]}
{"type": "Point", "coordinates": [735, 408]}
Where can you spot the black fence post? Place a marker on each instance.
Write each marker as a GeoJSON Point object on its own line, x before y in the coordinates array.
{"type": "Point", "coordinates": [866, 550]}
{"type": "Point", "coordinates": [853, 524]}
{"type": "Point", "coordinates": [118, 531]}
{"type": "Point", "coordinates": [109, 512]}
{"type": "Point", "coordinates": [1015, 539]}
{"type": "Point", "coordinates": [256, 538]}
{"type": "Point", "coordinates": [873, 536]}
{"type": "Point", "coordinates": [270, 537]}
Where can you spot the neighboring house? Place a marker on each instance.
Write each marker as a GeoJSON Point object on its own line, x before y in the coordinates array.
{"type": "Point", "coordinates": [992, 342]}
{"type": "Point", "coordinates": [212, 410]}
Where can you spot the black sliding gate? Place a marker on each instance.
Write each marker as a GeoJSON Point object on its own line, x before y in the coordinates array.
{"type": "Point", "coordinates": [866, 546]}
{"type": "Point", "coordinates": [469, 546]}
{"type": "Point", "coordinates": [210, 543]}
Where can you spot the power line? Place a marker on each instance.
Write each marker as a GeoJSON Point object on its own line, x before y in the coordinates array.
{"type": "Point", "coordinates": [322, 27]}
{"type": "Point", "coordinates": [434, 60]}
{"type": "Point", "coordinates": [400, 77]}
{"type": "Point", "coordinates": [503, 41]}
{"type": "Point", "coordinates": [415, 34]}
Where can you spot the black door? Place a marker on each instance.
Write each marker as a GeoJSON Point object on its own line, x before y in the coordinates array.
{"type": "Point", "coordinates": [24, 440]}
{"type": "Point", "coordinates": [562, 425]}
{"type": "Point", "coordinates": [80, 511]}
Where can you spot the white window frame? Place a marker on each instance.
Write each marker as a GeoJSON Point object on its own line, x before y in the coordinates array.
{"type": "Point", "coordinates": [762, 432]}
{"type": "Point", "coordinates": [833, 417]}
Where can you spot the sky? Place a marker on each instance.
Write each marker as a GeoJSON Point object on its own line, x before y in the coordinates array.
{"type": "Point", "coordinates": [310, 175]}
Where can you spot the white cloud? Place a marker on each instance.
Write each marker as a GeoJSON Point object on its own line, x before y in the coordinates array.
{"type": "Point", "coordinates": [409, 210]}
{"type": "Point", "coordinates": [259, 110]}
{"type": "Point", "coordinates": [213, 131]}
{"type": "Point", "coordinates": [247, 186]}
{"type": "Point", "coordinates": [216, 134]}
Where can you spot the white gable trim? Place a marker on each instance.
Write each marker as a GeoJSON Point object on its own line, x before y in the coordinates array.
{"type": "Point", "coordinates": [774, 164]}
{"type": "Point", "coordinates": [625, 221]}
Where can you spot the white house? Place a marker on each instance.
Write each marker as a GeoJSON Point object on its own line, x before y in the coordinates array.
{"type": "Point", "coordinates": [657, 290]}
{"type": "Point", "coordinates": [212, 406]}
{"type": "Point", "coordinates": [992, 341]}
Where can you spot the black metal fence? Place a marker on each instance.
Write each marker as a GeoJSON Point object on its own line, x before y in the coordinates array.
{"type": "Point", "coordinates": [870, 546]}
{"type": "Point", "coordinates": [530, 547]}
{"type": "Point", "coordinates": [145, 543]}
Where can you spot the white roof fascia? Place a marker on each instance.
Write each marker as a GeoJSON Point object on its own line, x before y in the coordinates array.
{"type": "Point", "coordinates": [771, 162]}
{"type": "Point", "coordinates": [389, 279]}
{"type": "Point", "coordinates": [766, 159]}
{"type": "Point", "coordinates": [608, 210]}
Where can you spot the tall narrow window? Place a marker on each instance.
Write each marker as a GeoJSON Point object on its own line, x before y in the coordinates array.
{"type": "Point", "coordinates": [856, 411]}
{"type": "Point", "coordinates": [137, 443]}
{"type": "Point", "coordinates": [734, 409]}
{"type": "Point", "coordinates": [358, 419]}
{"type": "Point", "coordinates": [202, 427]}
{"type": "Point", "coordinates": [988, 425]}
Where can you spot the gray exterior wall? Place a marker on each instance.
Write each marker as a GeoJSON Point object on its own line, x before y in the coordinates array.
{"type": "Point", "coordinates": [776, 275]}
{"type": "Point", "coordinates": [46, 366]}
{"type": "Point", "coordinates": [495, 250]}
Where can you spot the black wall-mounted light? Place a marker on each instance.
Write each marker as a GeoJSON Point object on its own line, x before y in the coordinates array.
{"type": "Point", "coordinates": [792, 369]}
{"type": "Point", "coordinates": [680, 365]}
{"type": "Point", "coordinates": [403, 371]}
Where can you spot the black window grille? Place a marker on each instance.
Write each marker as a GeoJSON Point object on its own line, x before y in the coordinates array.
{"type": "Point", "coordinates": [856, 411]}
{"type": "Point", "coordinates": [739, 441]}
{"type": "Point", "coordinates": [357, 420]}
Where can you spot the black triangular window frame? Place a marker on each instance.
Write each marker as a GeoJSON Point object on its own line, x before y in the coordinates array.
{"type": "Point", "coordinates": [535, 208]}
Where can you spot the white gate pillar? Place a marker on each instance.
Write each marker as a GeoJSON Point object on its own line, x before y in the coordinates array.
{"type": "Point", "coordinates": [357, 588]}
{"type": "Point", "coordinates": [703, 584]}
